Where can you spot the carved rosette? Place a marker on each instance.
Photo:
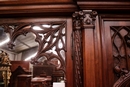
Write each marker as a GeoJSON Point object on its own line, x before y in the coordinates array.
{"type": "Point", "coordinates": [81, 20]}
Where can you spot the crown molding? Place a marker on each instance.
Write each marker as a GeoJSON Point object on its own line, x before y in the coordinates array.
{"type": "Point", "coordinates": [106, 5]}
{"type": "Point", "coordinates": [50, 9]}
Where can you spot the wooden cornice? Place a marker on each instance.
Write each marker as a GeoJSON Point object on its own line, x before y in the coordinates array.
{"type": "Point", "coordinates": [106, 5]}
{"type": "Point", "coordinates": [32, 2]}
{"type": "Point", "coordinates": [37, 8]}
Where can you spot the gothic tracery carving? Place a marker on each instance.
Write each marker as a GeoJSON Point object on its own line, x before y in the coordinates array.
{"type": "Point", "coordinates": [51, 38]}
{"type": "Point", "coordinates": [121, 52]}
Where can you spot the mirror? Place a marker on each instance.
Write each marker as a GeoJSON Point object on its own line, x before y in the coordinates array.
{"type": "Point", "coordinates": [46, 39]}
{"type": "Point", "coordinates": [25, 46]}
{"type": "Point", "coordinates": [4, 39]}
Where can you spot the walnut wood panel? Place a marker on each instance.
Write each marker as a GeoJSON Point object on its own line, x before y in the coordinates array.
{"type": "Point", "coordinates": [114, 50]}
{"type": "Point", "coordinates": [69, 61]}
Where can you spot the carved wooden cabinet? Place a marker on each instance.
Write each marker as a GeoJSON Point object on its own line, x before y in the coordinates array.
{"type": "Point", "coordinates": [97, 48]}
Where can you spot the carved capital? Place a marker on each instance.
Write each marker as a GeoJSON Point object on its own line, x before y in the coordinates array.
{"type": "Point", "coordinates": [78, 17]}
{"type": "Point", "coordinates": [84, 19]}
{"type": "Point", "coordinates": [89, 20]}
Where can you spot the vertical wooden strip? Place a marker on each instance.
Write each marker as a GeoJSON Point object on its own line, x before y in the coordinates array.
{"type": "Point", "coordinates": [69, 62]}
{"type": "Point", "coordinates": [98, 54]}
{"type": "Point", "coordinates": [88, 58]}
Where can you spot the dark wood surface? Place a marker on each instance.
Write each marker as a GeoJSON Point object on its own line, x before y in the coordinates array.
{"type": "Point", "coordinates": [39, 70]}
{"type": "Point", "coordinates": [14, 77]}
{"type": "Point", "coordinates": [23, 64]}
{"type": "Point", "coordinates": [41, 81]}
{"type": "Point", "coordinates": [24, 80]}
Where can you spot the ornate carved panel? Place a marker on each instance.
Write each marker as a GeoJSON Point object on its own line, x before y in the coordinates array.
{"type": "Point", "coordinates": [121, 49]}
{"type": "Point", "coordinates": [120, 36]}
{"type": "Point", "coordinates": [115, 49]}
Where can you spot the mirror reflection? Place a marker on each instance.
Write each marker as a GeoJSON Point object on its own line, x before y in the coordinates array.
{"type": "Point", "coordinates": [44, 44]}
{"type": "Point", "coordinates": [25, 46]}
